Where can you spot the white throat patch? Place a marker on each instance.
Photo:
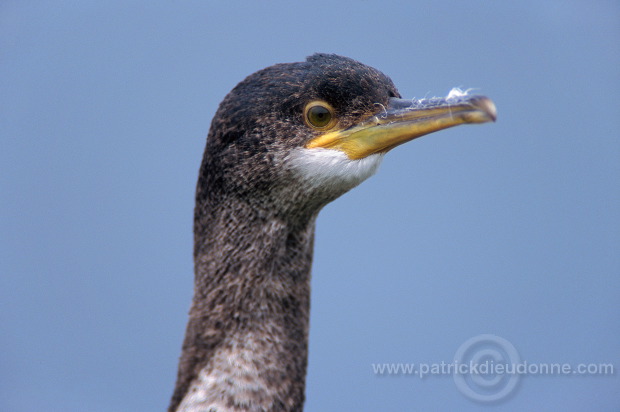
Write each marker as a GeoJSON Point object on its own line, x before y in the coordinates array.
{"type": "Point", "coordinates": [329, 168]}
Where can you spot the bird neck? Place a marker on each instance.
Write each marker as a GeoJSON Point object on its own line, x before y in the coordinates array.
{"type": "Point", "coordinates": [247, 339]}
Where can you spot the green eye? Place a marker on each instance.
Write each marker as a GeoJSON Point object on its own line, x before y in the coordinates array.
{"type": "Point", "coordinates": [319, 115]}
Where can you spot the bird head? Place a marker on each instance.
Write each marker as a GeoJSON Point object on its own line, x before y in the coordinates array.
{"type": "Point", "coordinates": [293, 137]}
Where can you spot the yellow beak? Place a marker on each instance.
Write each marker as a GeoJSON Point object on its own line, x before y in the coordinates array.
{"type": "Point", "coordinates": [404, 120]}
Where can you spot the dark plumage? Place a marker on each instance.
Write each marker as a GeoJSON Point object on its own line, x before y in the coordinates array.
{"type": "Point", "coordinates": [266, 172]}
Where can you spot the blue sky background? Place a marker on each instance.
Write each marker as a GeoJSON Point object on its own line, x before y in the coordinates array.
{"type": "Point", "coordinates": [511, 229]}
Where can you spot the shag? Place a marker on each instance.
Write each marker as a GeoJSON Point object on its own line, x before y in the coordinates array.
{"type": "Point", "coordinates": [284, 142]}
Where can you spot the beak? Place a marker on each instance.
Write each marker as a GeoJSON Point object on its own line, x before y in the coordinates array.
{"type": "Point", "coordinates": [404, 120]}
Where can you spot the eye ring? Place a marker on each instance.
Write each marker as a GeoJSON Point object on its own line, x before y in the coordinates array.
{"type": "Point", "coordinates": [319, 115]}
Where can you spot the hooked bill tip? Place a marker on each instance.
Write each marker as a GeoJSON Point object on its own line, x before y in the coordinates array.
{"type": "Point", "coordinates": [487, 106]}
